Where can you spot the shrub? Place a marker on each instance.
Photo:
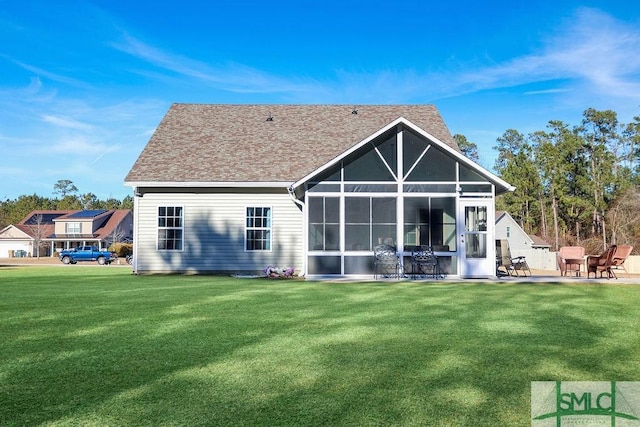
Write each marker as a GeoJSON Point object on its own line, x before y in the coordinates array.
{"type": "Point", "coordinates": [121, 249]}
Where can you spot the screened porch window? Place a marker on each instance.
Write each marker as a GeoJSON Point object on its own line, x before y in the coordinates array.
{"type": "Point", "coordinates": [369, 221]}
{"type": "Point", "coordinates": [430, 221]}
{"type": "Point", "coordinates": [324, 224]}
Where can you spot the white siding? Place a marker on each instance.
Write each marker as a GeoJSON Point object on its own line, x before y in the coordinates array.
{"type": "Point", "coordinates": [518, 239]}
{"type": "Point", "coordinates": [214, 226]}
{"type": "Point", "coordinates": [6, 247]}
{"type": "Point", "coordinates": [520, 244]}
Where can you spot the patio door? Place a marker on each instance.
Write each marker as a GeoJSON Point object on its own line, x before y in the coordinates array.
{"type": "Point", "coordinates": [476, 229]}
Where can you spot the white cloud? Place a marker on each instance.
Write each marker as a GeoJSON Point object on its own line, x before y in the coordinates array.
{"type": "Point", "coordinates": [48, 74]}
{"type": "Point", "coordinates": [592, 50]}
{"type": "Point", "coordinates": [74, 146]}
{"type": "Point", "coordinates": [231, 77]}
{"type": "Point", "coordinates": [66, 122]}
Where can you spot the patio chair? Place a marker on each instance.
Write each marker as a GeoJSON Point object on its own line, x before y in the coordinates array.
{"type": "Point", "coordinates": [618, 259]}
{"type": "Point", "coordinates": [601, 263]}
{"type": "Point", "coordinates": [575, 256]}
{"type": "Point", "coordinates": [506, 265]}
{"type": "Point", "coordinates": [424, 262]}
{"type": "Point", "coordinates": [386, 262]}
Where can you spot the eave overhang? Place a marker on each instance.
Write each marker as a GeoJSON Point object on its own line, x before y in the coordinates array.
{"type": "Point", "coordinates": [207, 184]}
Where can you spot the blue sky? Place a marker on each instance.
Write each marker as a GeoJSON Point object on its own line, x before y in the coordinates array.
{"type": "Point", "coordinates": [84, 83]}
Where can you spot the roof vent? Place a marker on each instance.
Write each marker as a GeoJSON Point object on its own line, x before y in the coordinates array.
{"type": "Point", "coordinates": [269, 117]}
{"type": "Point", "coordinates": [355, 110]}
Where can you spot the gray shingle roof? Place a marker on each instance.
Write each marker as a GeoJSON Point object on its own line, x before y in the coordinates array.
{"type": "Point", "coordinates": [236, 143]}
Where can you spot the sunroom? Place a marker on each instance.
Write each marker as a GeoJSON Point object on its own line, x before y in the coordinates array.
{"type": "Point", "coordinates": [405, 188]}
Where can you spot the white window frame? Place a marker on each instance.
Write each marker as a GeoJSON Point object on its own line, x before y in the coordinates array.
{"type": "Point", "coordinates": [70, 228]}
{"type": "Point", "coordinates": [268, 228]}
{"type": "Point", "coordinates": [159, 227]}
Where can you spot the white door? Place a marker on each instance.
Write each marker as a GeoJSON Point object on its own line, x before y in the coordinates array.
{"type": "Point", "coordinates": [476, 224]}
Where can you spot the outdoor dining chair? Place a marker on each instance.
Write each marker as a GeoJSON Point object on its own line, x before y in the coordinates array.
{"type": "Point", "coordinates": [386, 262]}
{"type": "Point", "coordinates": [424, 262]}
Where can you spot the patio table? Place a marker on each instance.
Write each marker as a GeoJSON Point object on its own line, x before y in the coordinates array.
{"type": "Point", "coordinates": [577, 264]}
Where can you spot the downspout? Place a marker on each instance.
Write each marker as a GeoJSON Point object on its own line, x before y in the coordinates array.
{"type": "Point", "coordinates": [300, 203]}
{"type": "Point", "coordinates": [294, 198]}
{"type": "Point", "coordinates": [136, 196]}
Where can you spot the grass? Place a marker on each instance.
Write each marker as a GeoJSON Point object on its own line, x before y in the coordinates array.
{"type": "Point", "coordinates": [97, 346]}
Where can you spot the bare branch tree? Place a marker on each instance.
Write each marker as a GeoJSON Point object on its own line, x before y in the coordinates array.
{"type": "Point", "coordinates": [624, 219]}
{"type": "Point", "coordinates": [38, 232]}
{"type": "Point", "coordinates": [116, 236]}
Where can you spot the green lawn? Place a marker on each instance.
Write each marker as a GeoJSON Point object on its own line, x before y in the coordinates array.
{"type": "Point", "coordinates": [98, 346]}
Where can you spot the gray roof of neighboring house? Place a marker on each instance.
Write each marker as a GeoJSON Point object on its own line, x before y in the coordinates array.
{"type": "Point", "coordinates": [236, 143]}
{"type": "Point", "coordinates": [539, 241]}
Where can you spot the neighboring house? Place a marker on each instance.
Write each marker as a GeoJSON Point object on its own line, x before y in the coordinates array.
{"type": "Point", "coordinates": [236, 188]}
{"type": "Point", "coordinates": [57, 230]}
{"type": "Point", "coordinates": [534, 248]}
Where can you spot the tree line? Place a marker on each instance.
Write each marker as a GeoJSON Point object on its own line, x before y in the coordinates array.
{"type": "Point", "coordinates": [575, 184]}
{"type": "Point", "coordinates": [66, 197]}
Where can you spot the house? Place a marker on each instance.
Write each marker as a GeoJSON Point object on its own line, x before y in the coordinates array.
{"type": "Point", "coordinates": [44, 232]}
{"type": "Point", "coordinates": [237, 188]}
{"type": "Point", "coordinates": [534, 248]}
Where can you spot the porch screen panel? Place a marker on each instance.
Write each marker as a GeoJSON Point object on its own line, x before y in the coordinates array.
{"type": "Point", "coordinates": [430, 221]}
{"type": "Point", "coordinates": [383, 220]}
{"type": "Point", "coordinates": [324, 264]}
{"type": "Point", "coordinates": [416, 221]}
{"type": "Point", "coordinates": [389, 151]}
{"type": "Point", "coordinates": [358, 264]}
{"type": "Point", "coordinates": [369, 221]}
{"type": "Point", "coordinates": [413, 147]}
{"type": "Point", "coordinates": [357, 223]}
{"type": "Point", "coordinates": [466, 174]}
{"type": "Point", "coordinates": [443, 224]}
{"type": "Point", "coordinates": [434, 166]}
{"type": "Point", "coordinates": [369, 167]}
{"type": "Point", "coordinates": [324, 223]}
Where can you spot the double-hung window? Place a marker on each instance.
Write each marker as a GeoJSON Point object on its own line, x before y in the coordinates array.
{"type": "Point", "coordinates": [258, 229]}
{"type": "Point", "coordinates": [170, 228]}
{"type": "Point", "coordinates": [73, 228]}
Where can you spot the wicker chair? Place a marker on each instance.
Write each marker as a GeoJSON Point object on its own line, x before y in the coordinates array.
{"type": "Point", "coordinates": [574, 253]}
{"type": "Point", "coordinates": [618, 259]}
{"type": "Point", "coordinates": [601, 263]}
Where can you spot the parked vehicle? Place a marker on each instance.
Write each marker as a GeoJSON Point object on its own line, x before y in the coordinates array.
{"type": "Point", "coordinates": [86, 253]}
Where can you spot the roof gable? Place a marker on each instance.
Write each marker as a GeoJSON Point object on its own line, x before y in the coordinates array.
{"type": "Point", "coordinates": [13, 232]}
{"type": "Point", "coordinates": [200, 143]}
{"type": "Point", "coordinates": [454, 152]}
